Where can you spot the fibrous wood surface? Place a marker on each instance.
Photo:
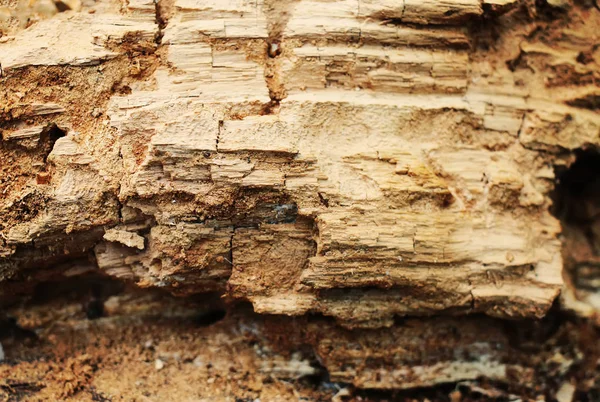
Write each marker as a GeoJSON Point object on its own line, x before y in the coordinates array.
{"type": "Point", "coordinates": [362, 160]}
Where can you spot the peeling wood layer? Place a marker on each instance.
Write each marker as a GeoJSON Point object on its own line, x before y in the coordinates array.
{"type": "Point", "coordinates": [363, 160]}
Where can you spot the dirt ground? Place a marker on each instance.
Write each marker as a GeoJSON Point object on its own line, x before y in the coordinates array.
{"type": "Point", "coordinates": [96, 339]}
{"type": "Point", "coordinates": [187, 351]}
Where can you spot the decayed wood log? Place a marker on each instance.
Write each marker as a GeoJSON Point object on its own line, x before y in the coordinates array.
{"type": "Point", "coordinates": [360, 159]}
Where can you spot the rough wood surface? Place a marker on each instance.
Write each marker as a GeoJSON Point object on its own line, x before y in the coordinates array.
{"type": "Point", "coordinates": [360, 159]}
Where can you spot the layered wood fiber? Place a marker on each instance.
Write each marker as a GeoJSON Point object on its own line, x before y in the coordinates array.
{"type": "Point", "coordinates": [363, 160]}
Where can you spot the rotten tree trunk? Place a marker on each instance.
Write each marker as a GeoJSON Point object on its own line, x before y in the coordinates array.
{"type": "Point", "coordinates": [363, 160]}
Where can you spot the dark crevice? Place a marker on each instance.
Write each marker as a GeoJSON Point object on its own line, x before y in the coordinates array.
{"type": "Point", "coordinates": [90, 289]}
{"type": "Point", "coordinates": [591, 102]}
{"type": "Point", "coordinates": [547, 11]}
{"type": "Point", "coordinates": [230, 252]}
{"type": "Point", "coordinates": [87, 295]}
{"type": "Point", "coordinates": [271, 107]}
{"type": "Point", "coordinates": [208, 318]}
{"type": "Point", "coordinates": [530, 336]}
{"type": "Point", "coordinates": [161, 20]}
{"type": "Point", "coordinates": [94, 309]}
{"type": "Point", "coordinates": [48, 138]}
{"type": "Point", "coordinates": [220, 128]}
{"type": "Point", "coordinates": [323, 200]}
{"type": "Point", "coordinates": [278, 13]}
{"type": "Point", "coordinates": [41, 259]}
{"type": "Point", "coordinates": [61, 6]}
{"type": "Point", "coordinates": [577, 194]}
{"type": "Point", "coordinates": [576, 202]}
{"type": "Point", "coordinates": [10, 329]}
{"type": "Point", "coordinates": [587, 57]}
{"type": "Point", "coordinates": [274, 48]}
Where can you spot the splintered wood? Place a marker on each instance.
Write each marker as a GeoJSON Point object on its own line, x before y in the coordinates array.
{"type": "Point", "coordinates": [379, 163]}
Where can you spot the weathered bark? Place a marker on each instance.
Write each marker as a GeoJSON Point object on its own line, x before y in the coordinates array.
{"type": "Point", "coordinates": [364, 160]}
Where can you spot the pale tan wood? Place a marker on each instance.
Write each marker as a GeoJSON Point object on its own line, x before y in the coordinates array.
{"type": "Point", "coordinates": [359, 159]}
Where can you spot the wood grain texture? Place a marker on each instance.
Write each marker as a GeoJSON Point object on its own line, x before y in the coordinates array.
{"type": "Point", "coordinates": [361, 159]}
